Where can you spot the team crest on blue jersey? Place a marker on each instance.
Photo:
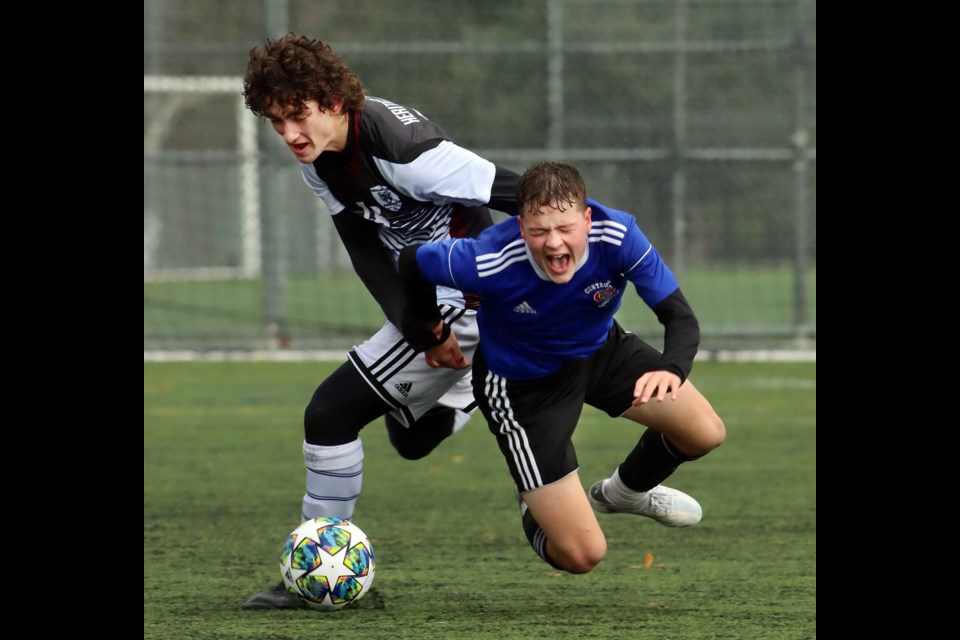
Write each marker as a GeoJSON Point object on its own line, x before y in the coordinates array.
{"type": "Point", "coordinates": [386, 197]}
{"type": "Point", "coordinates": [603, 293]}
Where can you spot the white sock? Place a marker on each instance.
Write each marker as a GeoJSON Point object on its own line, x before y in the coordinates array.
{"type": "Point", "coordinates": [616, 491]}
{"type": "Point", "coordinates": [460, 419]}
{"type": "Point", "coordinates": [334, 478]}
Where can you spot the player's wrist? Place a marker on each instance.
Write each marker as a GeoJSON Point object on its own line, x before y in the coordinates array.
{"type": "Point", "coordinates": [423, 335]}
{"type": "Point", "coordinates": [441, 332]}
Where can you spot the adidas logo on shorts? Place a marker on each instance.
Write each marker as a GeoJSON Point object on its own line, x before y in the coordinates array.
{"type": "Point", "coordinates": [404, 388]}
{"type": "Point", "coordinates": [524, 307]}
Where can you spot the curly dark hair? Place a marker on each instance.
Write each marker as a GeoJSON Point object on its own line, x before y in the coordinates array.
{"type": "Point", "coordinates": [294, 69]}
{"type": "Point", "coordinates": [550, 183]}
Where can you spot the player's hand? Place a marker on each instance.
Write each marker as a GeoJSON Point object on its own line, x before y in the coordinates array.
{"type": "Point", "coordinates": [655, 384]}
{"type": "Point", "coordinates": [447, 354]}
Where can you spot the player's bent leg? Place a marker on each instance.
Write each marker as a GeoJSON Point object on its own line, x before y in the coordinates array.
{"type": "Point", "coordinates": [357, 393]}
{"type": "Point", "coordinates": [689, 422]}
{"type": "Point", "coordinates": [426, 433]}
{"type": "Point", "coordinates": [568, 530]}
{"type": "Point", "coordinates": [333, 455]}
{"type": "Point", "coordinates": [341, 406]}
{"type": "Point", "coordinates": [332, 450]}
{"type": "Point", "coordinates": [678, 431]}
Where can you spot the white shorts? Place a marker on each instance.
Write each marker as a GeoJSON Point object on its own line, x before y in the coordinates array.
{"type": "Point", "coordinates": [403, 378]}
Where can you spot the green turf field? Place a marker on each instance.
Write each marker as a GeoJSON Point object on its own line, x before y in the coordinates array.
{"type": "Point", "coordinates": [223, 474]}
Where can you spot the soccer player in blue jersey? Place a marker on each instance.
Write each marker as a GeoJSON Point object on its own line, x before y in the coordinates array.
{"type": "Point", "coordinates": [549, 284]}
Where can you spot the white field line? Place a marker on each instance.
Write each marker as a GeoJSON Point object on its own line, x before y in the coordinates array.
{"type": "Point", "coordinates": [294, 355]}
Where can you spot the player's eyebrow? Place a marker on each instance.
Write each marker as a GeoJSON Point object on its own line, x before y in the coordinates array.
{"type": "Point", "coordinates": [562, 227]}
{"type": "Point", "coordinates": [289, 111]}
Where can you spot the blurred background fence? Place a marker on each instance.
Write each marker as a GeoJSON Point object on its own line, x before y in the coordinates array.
{"type": "Point", "coordinates": [697, 116]}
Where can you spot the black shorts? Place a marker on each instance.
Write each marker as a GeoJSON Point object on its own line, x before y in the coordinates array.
{"type": "Point", "coordinates": [534, 420]}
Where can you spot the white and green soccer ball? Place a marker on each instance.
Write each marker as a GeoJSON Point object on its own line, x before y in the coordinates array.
{"type": "Point", "coordinates": [328, 562]}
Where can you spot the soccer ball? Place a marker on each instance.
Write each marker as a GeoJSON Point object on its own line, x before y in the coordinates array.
{"type": "Point", "coordinates": [328, 562]}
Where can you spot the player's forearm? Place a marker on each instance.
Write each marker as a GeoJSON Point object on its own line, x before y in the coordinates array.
{"type": "Point", "coordinates": [388, 295]}
{"type": "Point", "coordinates": [372, 263]}
{"type": "Point", "coordinates": [503, 191]}
{"type": "Point", "coordinates": [681, 337]}
{"type": "Point", "coordinates": [421, 322]}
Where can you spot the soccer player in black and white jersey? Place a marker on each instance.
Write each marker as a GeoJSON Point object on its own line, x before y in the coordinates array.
{"type": "Point", "coordinates": [390, 178]}
{"type": "Point", "coordinates": [549, 283]}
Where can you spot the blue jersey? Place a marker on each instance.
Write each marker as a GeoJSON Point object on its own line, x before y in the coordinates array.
{"type": "Point", "coordinates": [529, 325]}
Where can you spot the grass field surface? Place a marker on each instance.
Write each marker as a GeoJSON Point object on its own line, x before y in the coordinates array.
{"type": "Point", "coordinates": [223, 475]}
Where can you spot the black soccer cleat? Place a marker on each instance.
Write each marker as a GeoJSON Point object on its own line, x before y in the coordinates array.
{"type": "Point", "coordinates": [276, 597]}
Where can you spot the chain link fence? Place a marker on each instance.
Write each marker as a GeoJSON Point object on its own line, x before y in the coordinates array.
{"type": "Point", "coordinates": [697, 116]}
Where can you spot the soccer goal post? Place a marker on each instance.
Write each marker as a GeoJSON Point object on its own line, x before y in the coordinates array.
{"type": "Point", "coordinates": [201, 205]}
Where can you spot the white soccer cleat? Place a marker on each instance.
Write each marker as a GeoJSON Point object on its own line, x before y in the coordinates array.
{"type": "Point", "coordinates": [667, 506]}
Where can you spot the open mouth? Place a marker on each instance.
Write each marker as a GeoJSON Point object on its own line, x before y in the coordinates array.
{"type": "Point", "coordinates": [558, 264]}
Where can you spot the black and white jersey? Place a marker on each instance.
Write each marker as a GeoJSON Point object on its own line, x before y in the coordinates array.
{"type": "Point", "coordinates": [404, 174]}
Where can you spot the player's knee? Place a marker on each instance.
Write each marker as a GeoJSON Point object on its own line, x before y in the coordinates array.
{"type": "Point", "coordinates": [424, 436]}
{"type": "Point", "coordinates": [414, 452]}
{"type": "Point", "coordinates": [409, 447]}
{"type": "Point", "coordinates": [580, 554]}
{"type": "Point", "coordinates": [321, 425]}
{"type": "Point", "coordinates": [714, 432]}
{"type": "Point", "coordinates": [710, 434]}
{"type": "Point", "coordinates": [582, 558]}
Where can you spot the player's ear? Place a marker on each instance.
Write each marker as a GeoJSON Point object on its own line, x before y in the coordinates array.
{"type": "Point", "coordinates": [520, 222]}
{"type": "Point", "coordinates": [337, 108]}
{"type": "Point", "coordinates": [588, 217]}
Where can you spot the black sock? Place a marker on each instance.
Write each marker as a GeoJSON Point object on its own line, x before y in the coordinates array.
{"type": "Point", "coordinates": [537, 538]}
{"type": "Point", "coordinates": [651, 462]}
